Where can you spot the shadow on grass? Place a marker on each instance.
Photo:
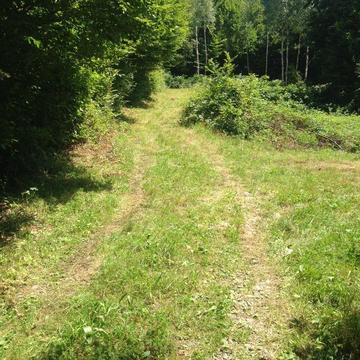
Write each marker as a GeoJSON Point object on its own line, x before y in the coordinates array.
{"type": "Point", "coordinates": [57, 185]}
{"type": "Point", "coordinates": [12, 222]}
{"type": "Point", "coordinates": [332, 338]}
{"type": "Point", "coordinates": [61, 186]}
{"type": "Point", "coordinates": [142, 103]}
{"type": "Point", "coordinates": [121, 117]}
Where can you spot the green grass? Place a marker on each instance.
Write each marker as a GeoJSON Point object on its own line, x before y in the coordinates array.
{"type": "Point", "coordinates": [60, 215]}
{"type": "Point", "coordinates": [311, 201]}
{"type": "Point", "coordinates": [163, 290]}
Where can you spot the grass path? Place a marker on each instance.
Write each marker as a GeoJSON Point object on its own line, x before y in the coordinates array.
{"type": "Point", "coordinates": [259, 305]}
{"type": "Point", "coordinates": [161, 251]}
{"type": "Point", "coordinates": [259, 310]}
{"type": "Point", "coordinates": [175, 260]}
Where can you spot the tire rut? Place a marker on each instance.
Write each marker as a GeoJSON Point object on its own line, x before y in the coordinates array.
{"type": "Point", "coordinates": [259, 305]}
{"type": "Point", "coordinates": [79, 270]}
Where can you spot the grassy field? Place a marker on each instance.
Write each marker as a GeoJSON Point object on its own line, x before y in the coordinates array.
{"type": "Point", "coordinates": [310, 202]}
{"type": "Point", "coordinates": [165, 242]}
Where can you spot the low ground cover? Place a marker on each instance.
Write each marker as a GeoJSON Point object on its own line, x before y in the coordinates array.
{"type": "Point", "coordinates": [173, 242]}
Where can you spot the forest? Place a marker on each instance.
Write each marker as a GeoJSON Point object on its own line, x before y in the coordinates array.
{"type": "Point", "coordinates": [62, 60]}
{"type": "Point", "coordinates": [179, 179]}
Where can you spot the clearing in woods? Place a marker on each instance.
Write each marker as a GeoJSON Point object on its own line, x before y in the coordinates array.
{"type": "Point", "coordinates": [158, 250]}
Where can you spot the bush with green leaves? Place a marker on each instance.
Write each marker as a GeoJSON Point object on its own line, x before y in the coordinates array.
{"type": "Point", "coordinates": [277, 91]}
{"type": "Point", "coordinates": [100, 110]}
{"type": "Point", "coordinates": [312, 96]}
{"type": "Point", "coordinates": [249, 106]}
{"type": "Point", "coordinates": [146, 84]}
{"type": "Point", "coordinates": [65, 61]}
{"type": "Point", "coordinates": [225, 104]}
{"type": "Point", "coordinates": [182, 81]}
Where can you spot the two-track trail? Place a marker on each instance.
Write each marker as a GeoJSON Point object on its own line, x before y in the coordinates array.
{"type": "Point", "coordinates": [209, 285]}
{"type": "Point", "coordinates": [259, 305]}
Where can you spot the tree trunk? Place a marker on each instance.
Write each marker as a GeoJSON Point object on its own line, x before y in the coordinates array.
{"type": "Point", "coordinates": [267, 54]}
{"type": "Point", "coordinates": [307, 63]}
{"type": "Point", "coordinates": [298, 53]}
{"type": "Point", "coordinates": [206, 47]}
{"type": "Point", "coordinates": [197, 50]}
{"type": "Point", "coordinates": [248, 62]}
{"type": "Point", "coordinates": [287, 60]}
{"type": "Point", "coordinates": [282, 60]}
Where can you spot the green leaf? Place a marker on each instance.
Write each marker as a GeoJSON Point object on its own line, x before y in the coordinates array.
{"type": "Point", "coordinates": [32, 41]}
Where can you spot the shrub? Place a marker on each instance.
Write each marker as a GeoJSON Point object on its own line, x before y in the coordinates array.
{"type": "Point", "coordinates": [146, 83]}
{"type": "Point", "coordinates": [157, 80]}
{"type": "Point", "coordinates": [40, 115]}
{"type": "Point", "coordinates": [226, 105]}
{"type": "Point", "coordinates": [246, 106]}
{"type": "Point", "coordinates": [123, 85]}
{"type": "Point", "coordinates": [101, 105]}
{"type": "Point", "coordinates": [181, 81]}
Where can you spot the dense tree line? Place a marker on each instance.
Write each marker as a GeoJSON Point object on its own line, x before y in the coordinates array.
{"type": "Point", "coordinates": [335, 39]}
{"type": "Point", "coordinates": [56, 56]}
{"type": "Point", "coordinates": [316, 41]}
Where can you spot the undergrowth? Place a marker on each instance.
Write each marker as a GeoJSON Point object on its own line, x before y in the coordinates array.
{"type": "Point", "coordinates": [251, 107]}
{"type": "Point", "coordinates": [181, 81]}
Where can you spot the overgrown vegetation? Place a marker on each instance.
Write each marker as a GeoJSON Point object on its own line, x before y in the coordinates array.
{"type": "Point", "coordinates": [182, 81]}
{"type": "Point", "coordinates": [248, 106]}
{"type": "Point", "coordinates": [313, 41]}
{"type": "Point", "coordinates": [64, 63]}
